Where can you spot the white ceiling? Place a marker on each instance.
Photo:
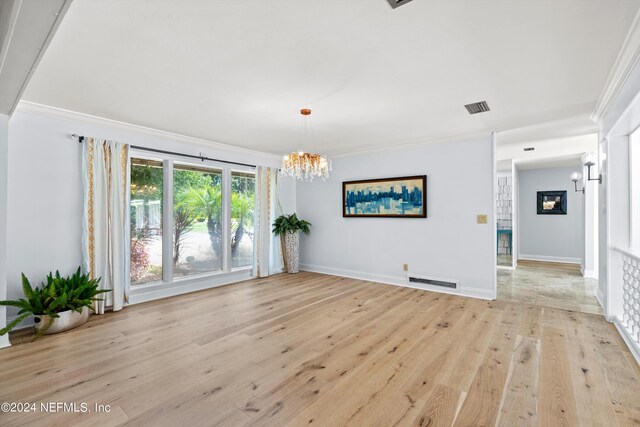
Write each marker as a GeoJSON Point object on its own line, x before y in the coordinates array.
{"type": "Point", "coordinates": [238, 71]}
{"type": "Point", "coordinates": [547, 153]}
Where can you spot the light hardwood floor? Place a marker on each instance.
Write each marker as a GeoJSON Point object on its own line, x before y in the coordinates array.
{"type": "Point", "coordinates": [312, 349]}
{"type": "Point", "coordinates": [549, 284]}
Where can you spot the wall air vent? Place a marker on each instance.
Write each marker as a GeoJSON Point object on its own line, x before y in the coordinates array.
{"type": "Point", "coordinates": [397, 3]}
{"type": "Point", "coordinates": [433, 282]}
{"type": "Point", "coordinates": [477, 107]}
{"type": "Point", "coordinates": [529, 148]}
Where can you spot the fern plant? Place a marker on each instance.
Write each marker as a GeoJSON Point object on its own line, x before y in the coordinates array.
{"type": "Point", "coordinates": [290, 224]}
{"type": "Point", "coordinates": [58, 294]}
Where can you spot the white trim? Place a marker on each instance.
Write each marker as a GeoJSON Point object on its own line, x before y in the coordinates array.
{"type": "Point", "coordinates": [167, 220]}
{"type": "Point", "coordinates": [179, 287]}
{"type": "Point", "coordinates": [505, 267]}
{"type": "Point", "coordinates": [398, 281]}
{"type": "Point", "coordinates": [43, 48]}
{"type": "Point", "coordinates": [633, 346]}
{"type": "Point", "coordinates": [625, 61]}
{"type": "Point", "coordinates": [226, 219]}
{"type": "Point", "coordinates": [59, 113]}
{"type": "Point", "coordinates": [600, 298]}
{"type": "Point", "coordinates": [494, 210]}
{"type": "Point", "coordinates": [591, 274]}
{"type": "Point", "coordinates": [627, 252]}
{"type": "Point", "coordinates": [560, 259]}
{"type": "Point", "coordinates": [4, 341]}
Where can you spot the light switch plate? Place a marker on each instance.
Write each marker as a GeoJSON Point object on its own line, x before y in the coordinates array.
{"type": "Point", "coordinates": [482, 219]}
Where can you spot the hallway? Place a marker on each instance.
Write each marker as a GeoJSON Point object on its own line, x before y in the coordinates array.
{"type": "Point", "coordinates": [549, 285]}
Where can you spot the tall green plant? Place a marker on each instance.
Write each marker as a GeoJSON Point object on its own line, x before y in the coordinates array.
{"type": "Point", "coordinates": [290, 224]}
{"type": "Point", "coordinates": [59, 294]}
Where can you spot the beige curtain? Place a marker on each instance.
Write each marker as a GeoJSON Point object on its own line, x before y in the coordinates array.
{"type": "Point", "coordinates": [105, 234]}
{"type": "Point", "coordinates": [267, 258]}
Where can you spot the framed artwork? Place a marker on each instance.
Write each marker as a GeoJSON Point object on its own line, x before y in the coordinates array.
{"type": "Point", "coordinates": [402, 197]}
{"type": "Point", "coordinates": [552, 202]}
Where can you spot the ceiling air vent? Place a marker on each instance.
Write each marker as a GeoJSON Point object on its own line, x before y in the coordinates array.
{"type": "Point", "coordinates": [477, 107]}
{"type": "Point", "coordinates": [529, 148]}
{"type": "Point", "coordinates": [433, 282]}
{"type": "Point", "coordinates": [397, 3]}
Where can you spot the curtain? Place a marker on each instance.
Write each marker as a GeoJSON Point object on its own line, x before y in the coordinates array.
{"type": "Point", "coordinates": [105, 237]}
{"type": "Point", "coordinates": [267, 256]}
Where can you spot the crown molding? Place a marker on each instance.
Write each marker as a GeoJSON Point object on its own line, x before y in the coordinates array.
{"type": "Point", "coordinates": [625, 61]}
{"type": "Point", "coordinates": [60, 113]}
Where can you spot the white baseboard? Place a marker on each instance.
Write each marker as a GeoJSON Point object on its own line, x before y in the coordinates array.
{"type": "Point", "coordinates": [4, 341]}
{"type": "Point", "coordinates": [506, 267]}
{"type": "Point", "coordinates": [399, 281]}
{"type": "Point", "coordinates": [589, 274]}
{"type": "Point", "coordinates": [600, 298]}
{"type": "Point", "coordinates": [633, 346]}
{"type": "Point", "coordinates": [564, 260]}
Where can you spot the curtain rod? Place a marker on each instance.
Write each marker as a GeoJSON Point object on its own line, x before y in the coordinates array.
{"type": "Point", "coordinates": [81, 139]}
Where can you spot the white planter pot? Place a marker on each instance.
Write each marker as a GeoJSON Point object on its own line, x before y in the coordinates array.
{"type": "Point", "coordinates": [292, 251]}
{"type": "Point", "coordinates": [68, 320]}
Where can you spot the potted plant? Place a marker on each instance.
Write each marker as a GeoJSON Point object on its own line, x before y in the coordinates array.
{"type": "Point", "coordinates": [60, 304]}
{"type": "Point", "coordinates": [289, 227]}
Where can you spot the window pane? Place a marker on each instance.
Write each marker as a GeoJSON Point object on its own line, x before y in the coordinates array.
{"type": "Point", "coordinates": [197, 220]}
{"type": "Point", "coordinates": [242, 201]}
{"type": "Point", "coordinates": [146, 221]}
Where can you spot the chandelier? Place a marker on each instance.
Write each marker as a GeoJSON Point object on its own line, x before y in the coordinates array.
{"type": "Point", "coordinates": [302, 165]}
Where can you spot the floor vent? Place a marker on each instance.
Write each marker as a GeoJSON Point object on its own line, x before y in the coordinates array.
{"type": "Point", "coordinates": [477, 107]}
{"type": "Point", "coordinates": [433, 282]}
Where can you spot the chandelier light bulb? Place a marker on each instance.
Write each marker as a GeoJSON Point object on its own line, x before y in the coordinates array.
{"type": "Point", "coordinates": [575, 176]}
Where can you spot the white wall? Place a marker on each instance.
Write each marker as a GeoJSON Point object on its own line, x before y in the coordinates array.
{"type": "Point", "coordinates": [603, 230]}
{"type": "Point", "coordinates": [516, 213]}
{"type": "Point", "coordinates": [4, 144]}
{"type": "Point", "coordinates": [558, 238]}
{"type": "Point", "coordinates": [448, 244]}
{"type": "Point", "coordinates": [45, 186]}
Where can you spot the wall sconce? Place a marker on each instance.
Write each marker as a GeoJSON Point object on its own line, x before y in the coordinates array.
{"type": "Point", "coordinates": [588, 160]}
{"type": "Point", "coordinates": [575, 177]}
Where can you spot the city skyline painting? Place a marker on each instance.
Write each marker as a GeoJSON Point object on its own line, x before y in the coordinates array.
{"type": "Point", "coordinates": [402, 197]}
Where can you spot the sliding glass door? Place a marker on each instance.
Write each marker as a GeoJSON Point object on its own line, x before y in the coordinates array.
{"type": "Point", "coordinates": [208, 220]}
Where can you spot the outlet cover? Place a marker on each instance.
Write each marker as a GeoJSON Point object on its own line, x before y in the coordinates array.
{"type": "Point", "coordinates": [482, 219]}
{"type": "Point", "coordinates": [405, 267]}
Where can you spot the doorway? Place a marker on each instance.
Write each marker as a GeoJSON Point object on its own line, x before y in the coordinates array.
{"type": "Point", "coordinates": [545, 247]}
